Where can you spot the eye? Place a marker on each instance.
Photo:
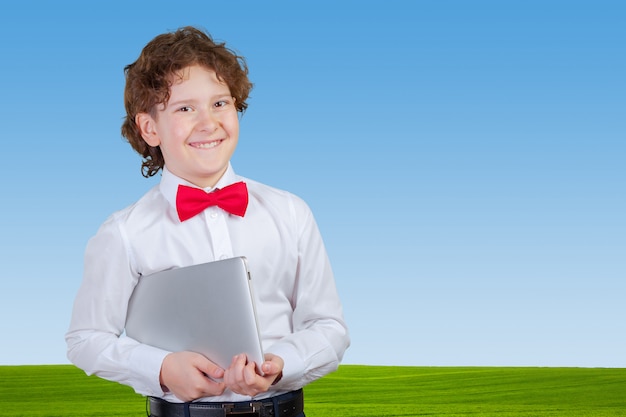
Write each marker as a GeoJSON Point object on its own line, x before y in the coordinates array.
{"type": "Point", "coordinates": [222, 103]}
{"type": "Point", "coordinates": [184, 109]}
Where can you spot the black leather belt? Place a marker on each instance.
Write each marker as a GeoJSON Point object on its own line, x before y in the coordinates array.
{"type": "Point", "coordinates": [286, 405]}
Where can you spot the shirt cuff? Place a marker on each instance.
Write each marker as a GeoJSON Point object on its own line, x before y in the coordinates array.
{"type": "Point", "coordinates": [294, 367]}
{"type": "Point", "coordinates": [147, 361]}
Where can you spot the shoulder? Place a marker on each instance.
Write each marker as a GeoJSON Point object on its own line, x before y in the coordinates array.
{"type": "Point", "coordinates": [142, 212]}
{"type": "Point", "coordinates": [281, 205]}
{"type": "Point", "coordinates": [267, 194]}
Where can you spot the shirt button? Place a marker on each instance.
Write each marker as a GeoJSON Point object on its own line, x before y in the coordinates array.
{"type": "Point", "coordinates": [214, 215]}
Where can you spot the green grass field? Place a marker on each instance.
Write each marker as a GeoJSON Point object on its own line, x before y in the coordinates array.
{"type": "Point", "coordinates": [363, 391]}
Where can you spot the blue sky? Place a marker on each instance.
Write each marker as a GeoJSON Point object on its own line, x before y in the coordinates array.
{"type": "Point", "coordinates": [465, 160]}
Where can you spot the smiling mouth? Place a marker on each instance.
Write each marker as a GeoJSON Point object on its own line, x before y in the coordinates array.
{"type": "Point", "coordinates": [206, 145]}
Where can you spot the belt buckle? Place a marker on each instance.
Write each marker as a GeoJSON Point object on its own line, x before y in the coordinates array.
{"type": "Point", "coordinates": [251, 410]}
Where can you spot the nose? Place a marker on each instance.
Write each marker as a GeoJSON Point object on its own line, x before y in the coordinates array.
{"type": "Point", "coordinates": [207, 121]}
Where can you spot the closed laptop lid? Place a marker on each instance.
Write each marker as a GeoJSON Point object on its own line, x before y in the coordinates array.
{"type": "Point", "coordinates": [207, 308]}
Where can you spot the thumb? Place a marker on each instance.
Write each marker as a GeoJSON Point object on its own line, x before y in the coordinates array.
{"type": "Point", "coordinates": [273, 370]}
{"type": "Point", "coordinates": [212, 370]}
{"type": "Point", "coordinates": [273, 365]}
{"type": "Point", "coordinates": [270, 368]}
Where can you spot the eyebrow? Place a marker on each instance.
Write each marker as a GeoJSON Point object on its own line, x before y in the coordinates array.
{"type": "Point", "coordinates": [193, 100]}
{"type": "Point", "coordinates": [180, 102]}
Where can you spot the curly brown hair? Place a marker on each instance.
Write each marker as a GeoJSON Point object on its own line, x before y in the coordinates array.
{"type": "Point", "coordinates": [148, 81]}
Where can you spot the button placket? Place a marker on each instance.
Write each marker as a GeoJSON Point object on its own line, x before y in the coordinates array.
{"type": "Point", "coordinates": [218, 230]}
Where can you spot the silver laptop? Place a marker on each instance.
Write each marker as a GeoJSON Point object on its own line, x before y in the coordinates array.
{"type": "Point", "coordinates": [207, 308]}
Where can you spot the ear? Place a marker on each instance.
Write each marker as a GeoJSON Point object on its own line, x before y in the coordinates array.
{"type": "Point", "coordinates": [147, 128]}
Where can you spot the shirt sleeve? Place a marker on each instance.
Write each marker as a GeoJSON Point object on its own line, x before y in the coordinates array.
{"type": "Point", "coordinates": [320, 335]}
{"type": "Point", "coordinates": [95, 340]}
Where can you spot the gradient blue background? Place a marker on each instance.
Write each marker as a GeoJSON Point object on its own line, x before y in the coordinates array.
{"type": "Point", "coordinates": [465, 161]}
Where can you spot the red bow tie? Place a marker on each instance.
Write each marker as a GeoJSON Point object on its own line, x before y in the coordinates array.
{"type": "Point", "coordinates": [191, 201]}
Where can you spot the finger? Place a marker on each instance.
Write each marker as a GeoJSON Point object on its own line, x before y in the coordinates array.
{"type": "Point", "coordinates": [234, 374]}
{"type": "Point", "coordinates": [249, 373]}
{"type": "Point", "coordinates": [205, 385]}
{"type": "Point", "coordinates": [237, 364]}
{"type": "Point", "coordinates": [198, 385]}
{"type": "Point", "coordinates": [214, 388]}
{"type": "Point", "coordinates": [237, 359]}
{"type": "Point", "coordinates": [212, 370]}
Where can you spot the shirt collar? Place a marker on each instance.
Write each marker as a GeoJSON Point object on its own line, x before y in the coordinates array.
{"type": "Point", "coordinates": [169, 183]}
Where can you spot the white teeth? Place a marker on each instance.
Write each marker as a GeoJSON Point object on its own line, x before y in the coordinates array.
{"type": "Point", "coordinates": [206, 145]}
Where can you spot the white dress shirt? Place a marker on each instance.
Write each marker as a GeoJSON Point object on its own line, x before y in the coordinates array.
{"type": "Point", "coordinates": [300, 315]}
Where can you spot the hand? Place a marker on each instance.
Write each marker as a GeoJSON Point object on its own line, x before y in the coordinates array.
{"type": "Point", "coordinates": [241, 376]}
{"type": "Point", "coordinates": [190, 375]}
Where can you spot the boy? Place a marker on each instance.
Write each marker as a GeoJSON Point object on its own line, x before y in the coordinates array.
{"type": "Point", "coordinates": [183, 97]}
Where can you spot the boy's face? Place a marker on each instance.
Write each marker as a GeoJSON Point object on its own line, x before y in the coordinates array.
{"type": "Point", "coordinates": [197, 129]}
